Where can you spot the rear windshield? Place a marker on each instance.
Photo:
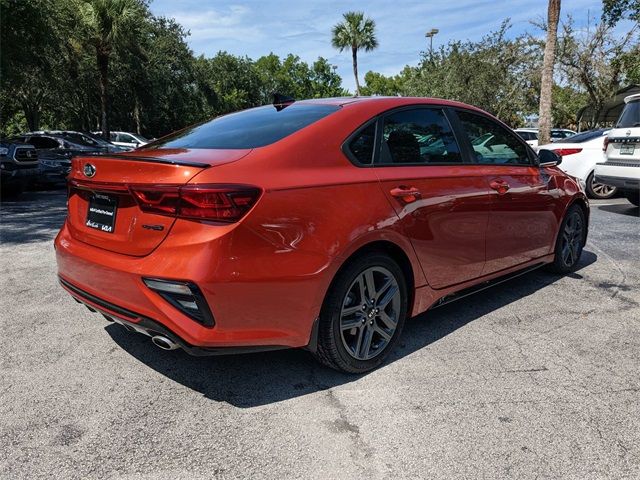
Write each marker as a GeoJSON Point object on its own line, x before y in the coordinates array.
{"type": "Point", "coordinates": [585, 136]}
{"type": "Point", "coordinates": [251, 128]}
{"type": "Point", "coordinates": [630, 116]}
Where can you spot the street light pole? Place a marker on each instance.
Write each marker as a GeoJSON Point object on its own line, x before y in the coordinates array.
{"type": "Point", "coordinates": [430, 34]}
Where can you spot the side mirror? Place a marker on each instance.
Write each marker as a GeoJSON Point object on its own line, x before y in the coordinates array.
{"type": "Point", "coordinates": [548, 158]}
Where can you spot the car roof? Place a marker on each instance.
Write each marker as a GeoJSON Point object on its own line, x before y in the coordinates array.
{"type": "Point", "coordinates": [342, 101]}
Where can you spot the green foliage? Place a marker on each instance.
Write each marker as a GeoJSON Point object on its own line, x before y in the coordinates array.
{"type": "Point", "coordinates": [497, 74]}
{"type": "Point", "coordinates": [51, 80]}
{"type": "Point", "coordinates": [615, 10]}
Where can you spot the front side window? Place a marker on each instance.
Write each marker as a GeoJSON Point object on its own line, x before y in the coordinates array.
{"type": "Point", "coordinates": [419, 136]}
{"type": "Point", "coordinates": [491, 142]}
{"type": "Point", "coordinates": [251, 128]}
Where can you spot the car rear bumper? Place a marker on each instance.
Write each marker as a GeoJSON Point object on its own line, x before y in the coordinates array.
{"type": "Point", "coordinates": [254, 308]}
{"type": "Point", "coordinates": [623, 177]}
{"type": "Point", "coordinates": [135, 322]}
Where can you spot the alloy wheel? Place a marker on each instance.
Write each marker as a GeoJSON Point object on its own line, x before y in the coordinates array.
{"type": "Point", "coordinates": [601, 190]}
{"type": "Point", "coordinates": [370, 313]}
{"type": "Point", "coordinates": [572, 237]}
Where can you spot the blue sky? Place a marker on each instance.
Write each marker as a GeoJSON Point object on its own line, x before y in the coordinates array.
{"type": "Point", "coordinates": [256, 28]}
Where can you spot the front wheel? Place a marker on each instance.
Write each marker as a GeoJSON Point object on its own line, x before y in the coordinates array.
{"type": "Point", "coordinates": [363, 314]}
{"type": "Point", "coordinates": [570, 242]}
{"type": "Point", "coordinates": [599, 191]}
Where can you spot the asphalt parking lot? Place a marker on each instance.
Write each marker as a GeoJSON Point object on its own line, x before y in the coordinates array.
{"type": "Point", "coordinates": [537, 378]}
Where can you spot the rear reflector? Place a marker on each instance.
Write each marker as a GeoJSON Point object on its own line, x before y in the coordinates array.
{"type": "Point", "coordinates": [563, 152]}
{"type": "Point", "coordinates": [185, 296]}
{"type": "Point", "coordinates": [219, 203]}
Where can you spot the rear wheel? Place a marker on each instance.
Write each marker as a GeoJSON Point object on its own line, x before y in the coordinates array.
{"type": "Point", "coordinates": [599, 190]}
{"type": "Point", "coordinates": [633, 197]}
{"type": "Point", "coordinates": [570, 242]}
{"type": "Point", "coordinates": [363, 314]}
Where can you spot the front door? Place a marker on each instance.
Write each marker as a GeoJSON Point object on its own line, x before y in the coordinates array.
{"type": "Point", "coordinates": [522, 223]}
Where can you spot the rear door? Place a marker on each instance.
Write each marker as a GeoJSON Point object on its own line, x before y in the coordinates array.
{"type": "Point", "coordinates": [522, 223]}
{"type": "Point", "coordinates": [442, 204]}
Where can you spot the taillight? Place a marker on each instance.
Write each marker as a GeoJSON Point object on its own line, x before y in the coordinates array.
{"type": "Point", "coordinates": [563, 152]}
{"type": "Point", "coordinates": [605, 144]}
{"type": "Point", "coordinates": [218, 203]}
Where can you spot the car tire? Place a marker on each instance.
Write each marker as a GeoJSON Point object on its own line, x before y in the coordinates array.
{"type": "Point", "coordinates": [599, 191]}
{"type": "Point", "coordinates": [633, 197]}
{"type": "Point", "coordinates": [570, 241]}
{"type": "Point", "coordinates": [357, 327]}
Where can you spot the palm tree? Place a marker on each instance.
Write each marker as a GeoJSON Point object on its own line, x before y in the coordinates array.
{"type": "Point", "coordinates": [355, 32]}
{"type": "Point", "coordinates": [546, 84]}
{"type": "Point", "coordinates": [109, 24]}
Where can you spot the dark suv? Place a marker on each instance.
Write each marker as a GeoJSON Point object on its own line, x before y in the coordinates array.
{"type": "Point", "coordinates": [18, 166]}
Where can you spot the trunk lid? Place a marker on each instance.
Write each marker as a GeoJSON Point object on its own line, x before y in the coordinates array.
{"type": "Point", "coordinates": [104, 213]}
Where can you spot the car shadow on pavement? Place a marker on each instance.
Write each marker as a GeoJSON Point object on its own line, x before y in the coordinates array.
{"type": "Point", "coordinates": [624, 209]}
{"type": "Point", "coordinates": [252, 380]}
{"type": "Point", "coordinates": [32, 217]}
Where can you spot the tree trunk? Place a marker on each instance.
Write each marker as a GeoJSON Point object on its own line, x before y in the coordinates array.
{"type": "Point", "coordinates": [354, 55]}
{"type": "Point", "coordinates": [544, 122]}
{"type": "Point", "coordinates": [103, 67]}
{"type": "Point", "coordinates": [136, 113]}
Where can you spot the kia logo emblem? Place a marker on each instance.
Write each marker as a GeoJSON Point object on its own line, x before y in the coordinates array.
{"type": "Point", "coordinates": [89, 170]}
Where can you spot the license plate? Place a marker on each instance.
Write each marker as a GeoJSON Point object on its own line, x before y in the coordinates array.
{"type": "Point", "coordinates": [102, 212]}
{"type": "Point", "coordinates": [627, 149]}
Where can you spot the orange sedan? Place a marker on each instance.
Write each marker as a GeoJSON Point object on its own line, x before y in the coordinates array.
{"type": "Point", "coordinates": [321, 224]}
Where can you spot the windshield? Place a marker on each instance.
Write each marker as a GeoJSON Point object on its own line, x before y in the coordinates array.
{"type": "Point", "coordinates": [630, 116]}
{"type": "Point", "coordinates": [251, 128]}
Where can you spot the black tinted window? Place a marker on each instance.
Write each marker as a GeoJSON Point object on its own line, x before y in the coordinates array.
{"type": "Point", "coordinates": [44, 142]}
{"type": "Point", "coordinates": [491, 142]}
{"type": "Point", "coordinates": [419, 136]}
{"type": "Point", "coordinates": [361, 146]}
{"type": "Point", "coordinates": [585, 136]}
{"type": "Point", "coordinates": [252, 128]}
{"type": "Point", "coordinates": [630, 116]}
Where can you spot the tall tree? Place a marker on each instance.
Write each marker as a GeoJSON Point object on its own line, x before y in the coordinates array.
{"type": "Point", "coordinates": [357, 33]}
{"type": "Point", "coordinates": [109, 23]}
{"type": "Point", "coordinates": [546, 83]}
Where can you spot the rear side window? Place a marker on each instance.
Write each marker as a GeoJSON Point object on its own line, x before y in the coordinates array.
{"type": "Point", "coordinates": [630, 116]}
{"type": "Point", "coordinates": [419, 136]}
{"type": "Point", "coordinates": [361, 147]}
{"type": "Point", "coordinates": [528, 135]}
{"type": "Point", "coordinates": [251, 128]}
{"type": "Point", "coordinates": [492, 143]}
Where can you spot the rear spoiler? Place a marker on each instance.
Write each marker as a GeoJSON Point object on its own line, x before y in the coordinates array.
{"type": "Point", "coordinates": [170, 161]}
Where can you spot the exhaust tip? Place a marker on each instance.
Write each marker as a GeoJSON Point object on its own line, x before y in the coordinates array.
{"type": "Point", "coordinates": [164, 343]}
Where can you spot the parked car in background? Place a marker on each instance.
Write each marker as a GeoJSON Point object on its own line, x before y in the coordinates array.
{"type": "Point", "coordinates": [126, 140]}
{"type": "Point", "coordinates": [321, 224]}
{"type": "Point", "coordinates": [18, 166]}
{"type": "Point", "coordinates": [621, 168]}
{"type": "Point", "coordinates": [55, 150]}
{"type": "Point", "coordinates": [530, 135]}
{"type": "Point", "coordinates": [580, 154]}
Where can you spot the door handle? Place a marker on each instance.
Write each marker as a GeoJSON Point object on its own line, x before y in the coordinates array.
{"type": "Point", "coordinates": [499, 186]}
{"type": "Point", "coordinates": [406, 194]}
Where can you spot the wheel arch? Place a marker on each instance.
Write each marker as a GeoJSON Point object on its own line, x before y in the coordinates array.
{"type": "Point", "coordinates": [394, 251]}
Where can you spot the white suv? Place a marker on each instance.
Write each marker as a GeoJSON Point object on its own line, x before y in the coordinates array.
{"type": "Point", "coordinates": [622, 149]}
